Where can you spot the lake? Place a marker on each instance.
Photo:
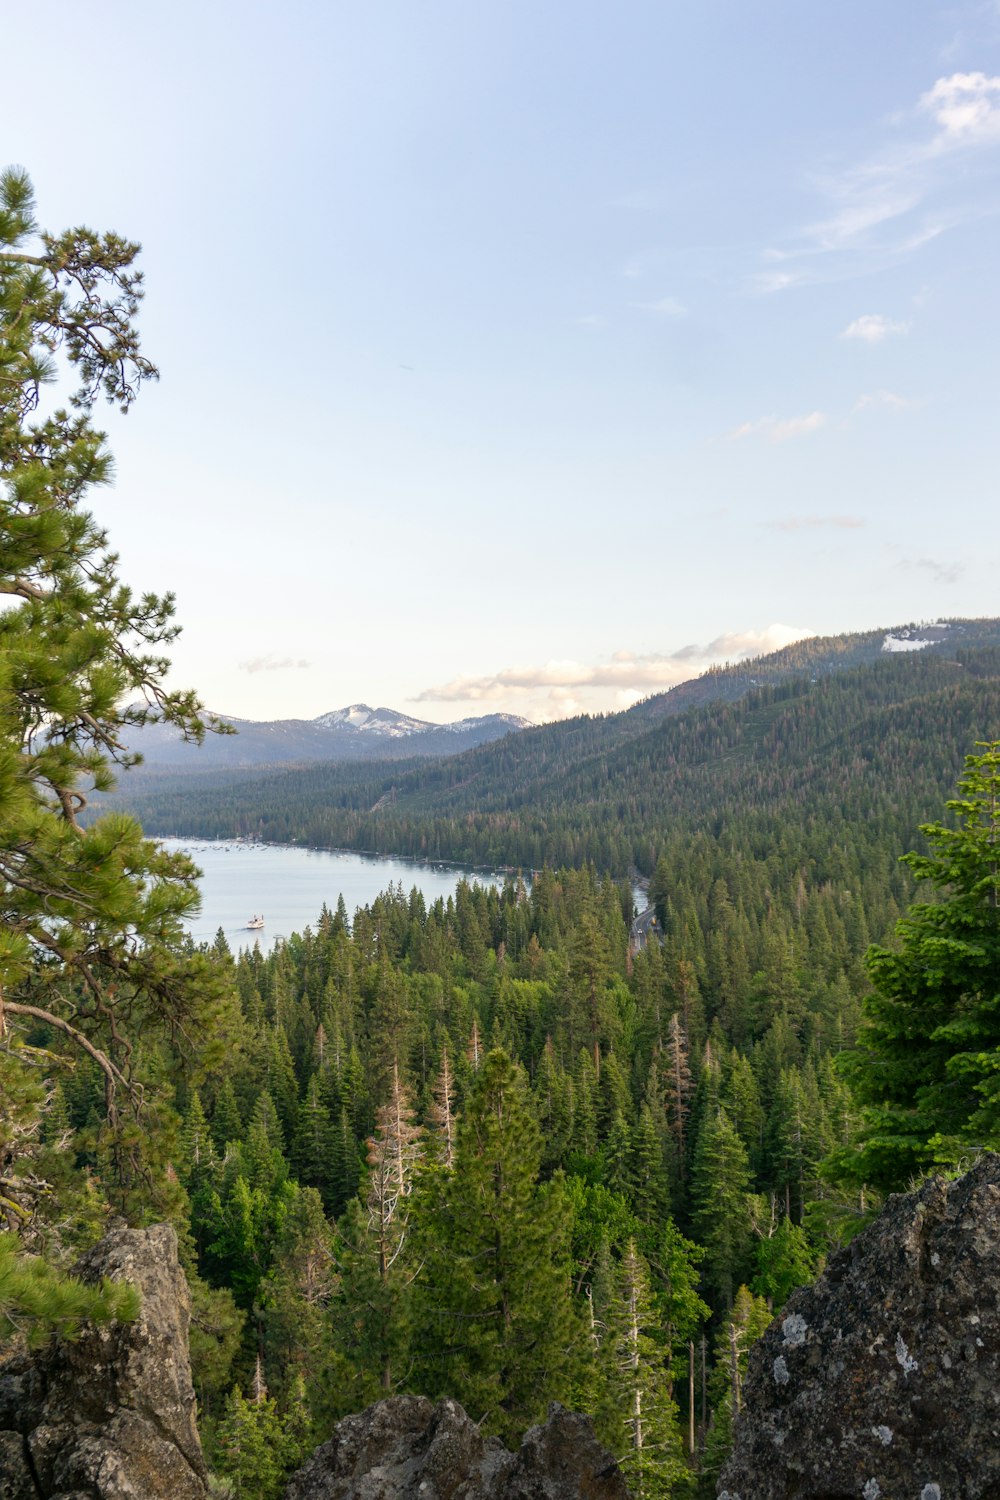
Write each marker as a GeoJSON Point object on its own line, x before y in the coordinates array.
{"type": "Point", "coordinates": [289, 886]}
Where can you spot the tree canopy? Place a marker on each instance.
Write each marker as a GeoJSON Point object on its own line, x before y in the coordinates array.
{"type": "Point", "coordinates": [91, 946]}
{"type": "Point", "coordinates": [927, 1066]}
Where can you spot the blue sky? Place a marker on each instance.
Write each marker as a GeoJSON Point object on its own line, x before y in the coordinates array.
{"type": "Point", "coordinates": [532, 356]}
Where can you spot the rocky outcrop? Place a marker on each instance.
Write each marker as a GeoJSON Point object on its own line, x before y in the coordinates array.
{"type": "Point", "coordinates": [111, 1415]}
{"type": "Point", "coordinates": [883, 1379]}
{"type": "Point", "coordinates": [405, 1448]}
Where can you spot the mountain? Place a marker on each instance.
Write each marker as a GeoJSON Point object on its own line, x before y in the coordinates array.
{"type": "Point", "coordinates": [357, 732]}
{"type": "Point", "coordinates": [848, 733]}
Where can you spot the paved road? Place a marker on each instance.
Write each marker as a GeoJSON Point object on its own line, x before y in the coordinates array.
{"type": "Point", "coordinates": [644, 927]}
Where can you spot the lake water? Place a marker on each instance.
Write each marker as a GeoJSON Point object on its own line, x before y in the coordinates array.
{"type": "Point", "coordinates": [289, 886]}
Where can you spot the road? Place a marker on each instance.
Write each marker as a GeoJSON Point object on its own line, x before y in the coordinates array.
{"type": "Point", "coordinates": [644, 927]}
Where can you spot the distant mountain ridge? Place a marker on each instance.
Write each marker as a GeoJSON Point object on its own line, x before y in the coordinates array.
{"type": "Point", "coordinates": [816, 656]}
{"type": "Point", "coordinates": [357, 732]}
{"type": "Point", "coordinates": [874, 725]}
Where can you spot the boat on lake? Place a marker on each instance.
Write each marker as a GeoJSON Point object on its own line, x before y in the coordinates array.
{"type": "Point", "coordinates": [255, 924]}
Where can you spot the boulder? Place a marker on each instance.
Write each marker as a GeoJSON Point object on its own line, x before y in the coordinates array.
{"type": "Point", "coordinates": [883, 1379]}
{"type": "Point", "coordinates": [405, 1448]}
{"type": "Point", "coordinates": [110, 1415]}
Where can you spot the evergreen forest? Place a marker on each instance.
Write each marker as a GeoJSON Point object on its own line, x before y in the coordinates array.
{"type": "Point", "coordinates": [498, 1147]}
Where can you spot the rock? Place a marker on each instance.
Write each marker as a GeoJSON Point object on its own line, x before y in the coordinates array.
{"type": "Point", "coordinates": [881, 1380]}
{"type": "Point", "coordinates": [110, 1415]}
{"type": "Point", "coordinates": [405, 1448]}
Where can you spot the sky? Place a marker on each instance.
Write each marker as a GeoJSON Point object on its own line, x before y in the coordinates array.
{"type": "Point", "coordinates": [533, 356]}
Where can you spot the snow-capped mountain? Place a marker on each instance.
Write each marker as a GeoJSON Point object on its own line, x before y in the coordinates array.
{"type": "Point", "coordinates": [357, 732]}
{"type": "Point", "coordinates": [374, 721]}
{"type": "Point", "coordinates": [386, 721]}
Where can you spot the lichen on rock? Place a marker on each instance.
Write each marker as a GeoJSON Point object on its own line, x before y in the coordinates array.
{"type": "Point", "coordinates": [892, 1361]}
{"type": "Point", "coordinates": [110, 1415]}
{"type": "Point", "coordinates": [406, 1448]}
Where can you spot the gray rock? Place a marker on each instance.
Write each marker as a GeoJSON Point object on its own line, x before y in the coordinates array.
{"type": "Point", "coordinates": [892, 1362]}
{"type": "Point", "coordinates": [111, 1415]}
{"type": "Point", "coordinates": [405, 1448]}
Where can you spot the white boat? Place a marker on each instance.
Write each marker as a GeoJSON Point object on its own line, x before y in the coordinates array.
{"type": "Point", "coordinates": [255, 924]}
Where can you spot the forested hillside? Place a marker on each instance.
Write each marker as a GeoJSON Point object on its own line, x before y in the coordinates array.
{"type": "Point", "coordinates": [776, 772]}
{"type": "Point", "coordinates": [630, 1144]}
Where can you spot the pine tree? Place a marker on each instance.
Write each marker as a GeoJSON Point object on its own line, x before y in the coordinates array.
{"type": "Point", "coordinates": [312, 1146]}
{"type": "Point", "coordinates": [375, 1256]}
{"type": "Point", "coordinates": [36, 1300]}
{"type": "Point", "coordinates": [747, 1319]}
{"type": "Point", "coordinates": [227, 1123]}
{"type": "Point", "coordinates": [926, 1070]}
{"type": "Point", "coordinates": [441, 1115]}
{"type": "Point", "coordinates": [678, 1084]}
{"type": "Point", "coordinates": [721, 1217]}
{"type": "Point", "coordinates": [297, 1294]}
{"type": "Point", "coordinates": [251, 1450]}
{"type": "Point", "coordinates": [494, 1323]}
{"type": "Point", "coordinates": [91, 909]}
{"type": "Point", "coordinates": [652, 1459]}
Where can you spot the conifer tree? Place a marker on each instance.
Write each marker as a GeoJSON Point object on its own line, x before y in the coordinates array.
{"type": "Point", "coordinates": [927, 1066]}
{"type": "Point", "coordinates": [679, 1086]}
{"type": "Point", "coordinates": [91, 941]}
{"type": "Point", "coordinates": [375, 1254]}
{"type": "Point", "coordinates": [251, 1447]}
{"type": "Point", "coordinates": [441, 1115]}
{"type": "Point", "coordinates": [721, 1217]}
{"type": "Point", "coordinates": [296, 1297]}
{"type": "Point", "coordinates": [494, 1324]}
{"type": "Point", "coordinates": [652, 1458]}
{"type": "Point", "coordinates": [36, 1300]}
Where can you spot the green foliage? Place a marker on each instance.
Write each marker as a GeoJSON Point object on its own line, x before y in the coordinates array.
{"type": "Point", "coordinates": [495, 1324]}
{"type": "Point", "coordinates": [637, 1362]}
{"type": "Point", "coordinates": [784, 1261]}
{"type": "Point", "coordinates": [94, 966]}
{"type": "Point", "coordinates": [927, 1067]}
{"type": "Point", "coordinates": [254, 1452]}
{"type": "Point", "coordinates": [36, 1300]}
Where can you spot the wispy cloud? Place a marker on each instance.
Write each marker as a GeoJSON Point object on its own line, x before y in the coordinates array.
{"type": "Point", "coordinates": [810, 523]}
{"type": "Point", "coordinates": [627, 674]}
{"type": "Point", "coordinates": [872, 328]}
{"type": "Point", "coordinates": [940, 572]}
{"type": "Point", "coordinates": [273, 664]}
{"type": "Point", "coordinates": [777, 430]}
{"type": "Point", "coordinates": [884, 401]}
{"type": "Point", "coordinates": [882, 207]}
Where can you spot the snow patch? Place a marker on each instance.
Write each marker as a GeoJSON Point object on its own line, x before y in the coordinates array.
{"type": "Point", "coordinates": [904, 643]}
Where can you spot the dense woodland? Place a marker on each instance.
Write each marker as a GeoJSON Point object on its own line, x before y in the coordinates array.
{"type": "Point", "coordinates": [631, 1144]}
{"type": "Point", "coordinates": [482, 1149]}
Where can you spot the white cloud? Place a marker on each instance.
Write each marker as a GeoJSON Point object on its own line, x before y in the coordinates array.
{"type": "Point", "coordinates": [272, 664]}
{"type": "Point", "coordinates": [883, 401]}
{"type": "Point", "coordinates": [872, 328]}
{"type": "Point", "coordinates": [879, 208]}
{"type": "Point", "coordinates": [776, 430]}
{"type": "Point", "coordinates": [619, 681]}
{"type": "Point", "coordinates": [965, 106]}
